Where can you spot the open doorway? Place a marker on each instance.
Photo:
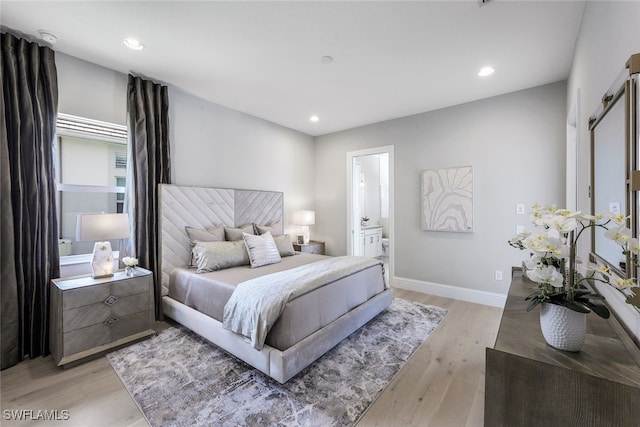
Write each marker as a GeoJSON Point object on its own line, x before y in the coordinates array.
{"type": "Point", "coordinates": [370, 205]}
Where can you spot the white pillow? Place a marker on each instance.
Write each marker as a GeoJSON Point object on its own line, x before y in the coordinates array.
{"type": "Point", "coordinates": [262, 249]}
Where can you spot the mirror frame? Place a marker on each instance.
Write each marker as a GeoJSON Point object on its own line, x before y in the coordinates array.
{"type": "Point", "coordinates": [625, 89]}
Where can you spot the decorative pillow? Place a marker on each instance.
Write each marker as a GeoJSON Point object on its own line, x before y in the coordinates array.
{"type": "Point", "coordinates": [274, 228]}
{"type": "Point", "coordinates": [213, 234]}
{"type": "Point", "coordinates": [232, 234]}
{"type": "Point", "coordinates": [285, 247]}
{"type": "Point", "coordinates": [262, 249]}
{"type": "Point", "coordinates": [212, 256]}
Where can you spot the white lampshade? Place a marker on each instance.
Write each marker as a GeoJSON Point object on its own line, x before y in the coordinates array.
{"type": "Point", "coordinates": [99, 227]}
{"type": "Point", "coordinates": [304, 217]}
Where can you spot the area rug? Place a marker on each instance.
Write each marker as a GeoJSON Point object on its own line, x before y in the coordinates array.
{"type": "Point", "coordinates": [179, 379]}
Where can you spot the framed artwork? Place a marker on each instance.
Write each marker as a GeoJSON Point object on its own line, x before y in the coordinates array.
{"type": "Point", "coordinates": [447, 199]}
{"type": "Point", "coordinates": [300, 239]}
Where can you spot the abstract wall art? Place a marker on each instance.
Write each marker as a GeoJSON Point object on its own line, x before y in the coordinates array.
{"type": "Point", "coordinates": [447, 199]}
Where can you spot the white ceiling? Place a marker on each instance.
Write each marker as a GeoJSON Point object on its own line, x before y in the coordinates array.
{"type": "Point", "coordinates": [391, 59]}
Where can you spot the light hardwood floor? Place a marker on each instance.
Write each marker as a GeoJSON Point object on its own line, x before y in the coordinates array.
{"type": "Point", "coordinates": [442, 385]}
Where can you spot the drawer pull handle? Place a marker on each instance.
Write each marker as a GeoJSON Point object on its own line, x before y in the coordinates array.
{"type": "Point", "coordinates": [111, 320]}
{"type": "Point", "coordinates": [111, 300]}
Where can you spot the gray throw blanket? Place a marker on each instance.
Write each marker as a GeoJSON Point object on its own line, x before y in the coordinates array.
{"type": "Point", "coordinates": [256, 304]}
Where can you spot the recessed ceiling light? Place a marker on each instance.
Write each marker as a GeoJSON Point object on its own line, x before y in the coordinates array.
{"type": "Point", "coordinates": [48, 36]}
{"type": "Point", "coordinates": [485, 71]}
{"type": "Point", "coordinates": [133, 43]}
{"type": "Point", "coordinates": [314, 118]}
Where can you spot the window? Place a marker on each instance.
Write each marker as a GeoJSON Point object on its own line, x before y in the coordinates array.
{"type": "Point", "coordinates": [91, 174]}
{"type": "Point", "coordinates": [120, 182]}
{"type": "Point", "coordinates": [121, 160]}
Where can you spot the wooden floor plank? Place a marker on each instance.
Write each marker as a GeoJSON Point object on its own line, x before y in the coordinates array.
{"type": "Point", "coordinates": [441, 385]}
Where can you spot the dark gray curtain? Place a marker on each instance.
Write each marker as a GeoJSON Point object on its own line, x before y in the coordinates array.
{"type": "Point", "coordinates": [148, 105]}
{"type": "Point", "coordinates": [30, 256]}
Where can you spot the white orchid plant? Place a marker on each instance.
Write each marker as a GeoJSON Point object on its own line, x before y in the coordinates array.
{"type": "Point", "coordinates": [552, 243]}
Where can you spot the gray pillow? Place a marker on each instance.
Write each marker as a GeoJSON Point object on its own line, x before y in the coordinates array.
{"type": "Point", "coordinates": [232, 234]}
{"type": "Point", "coordinates": [212, 256]}
{"type": "Point", "coordinates": [262, 249]}
{"type": "Point", "coordinates": [285, 247]}
{"type": "Point", "coordinates": [275, 229]}
{"type": "Point", "coordinates": [213, 234]}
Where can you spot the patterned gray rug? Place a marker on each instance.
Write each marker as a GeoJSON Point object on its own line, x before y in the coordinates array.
{"type": "Point", "coordinates": [179, 379]}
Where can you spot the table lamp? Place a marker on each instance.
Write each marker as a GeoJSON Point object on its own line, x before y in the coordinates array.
{"type": "Point", "coordinates": [101, 228]}
{"type": "Point", "coordinates": [305, 219]}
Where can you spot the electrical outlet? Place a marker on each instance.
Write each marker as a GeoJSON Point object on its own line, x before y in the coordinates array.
{"type": "Point", "coordinates": [520, 209]}
{"type": "Point", "coordinates": [520, 229]}
{"type": "Point", "coordinates": [498, 275]}
{"type": "Point", "coordinates": [614, 207]}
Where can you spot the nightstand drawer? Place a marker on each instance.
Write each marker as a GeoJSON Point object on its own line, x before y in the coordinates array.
{"type": "Point", "coordinates": [313, 247]}
{"type": "Point", "coordinates": [130, 325]}
{"type": "Point", "coordinates": [134, 285]}
{"type": "Point", "coordinates": [131, 304]}
{"type": "Point", "coordinates": [85, 296]}
{"type": "Point", "coordinates": [111, 328]}
{"type": "Point", "coordinates": [86, 338]}
{"type": "Point", "coordinates": [82, 317]}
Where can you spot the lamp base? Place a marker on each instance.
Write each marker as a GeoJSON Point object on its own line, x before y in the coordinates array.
{"type": "Point", "coordinates": [305, 234]}
{"type": "Point", "coordinates": [102, 260]}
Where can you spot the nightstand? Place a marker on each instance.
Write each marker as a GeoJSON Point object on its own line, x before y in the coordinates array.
{"type": "Point", "coordinates": [89, 316]}
{"type": "Point", "coordinates": [313, 247]}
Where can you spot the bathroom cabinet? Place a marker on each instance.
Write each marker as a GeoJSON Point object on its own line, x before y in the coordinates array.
{"type": "Point", "coordinates": [371, 238]}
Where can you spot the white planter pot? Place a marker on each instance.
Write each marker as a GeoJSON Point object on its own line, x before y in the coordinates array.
{"type": "Point", "coordinates": [563, 328]}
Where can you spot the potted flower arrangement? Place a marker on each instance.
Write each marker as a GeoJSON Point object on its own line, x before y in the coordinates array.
{"type": "Point", "coordinates": [130, 265]}
{"type": "Point", "coordinates": [561, 291]}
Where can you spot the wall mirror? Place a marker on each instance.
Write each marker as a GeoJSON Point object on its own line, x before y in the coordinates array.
{"type": "Point", "coordinates": [609, 193]}
{"type": "Point", "coordinates": [614, 148]}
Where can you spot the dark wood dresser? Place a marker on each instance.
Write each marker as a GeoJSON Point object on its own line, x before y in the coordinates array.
{"type": "Point", "coordinates": [529, 383]}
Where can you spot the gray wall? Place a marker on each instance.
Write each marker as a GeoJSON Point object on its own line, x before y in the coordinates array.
{"type": "Point", "coordinates": [515, 144]}
{"type": "Point", "coordinates": [608, 36]}
{"type": "Point", "coordinates": [215, 146]}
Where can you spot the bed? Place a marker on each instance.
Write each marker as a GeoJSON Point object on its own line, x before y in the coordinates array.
{"type": "Point", "coordinates": [311, 323]}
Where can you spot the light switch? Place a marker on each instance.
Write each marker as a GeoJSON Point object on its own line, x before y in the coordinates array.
{"type": "Point", "coordinates": [520, 209]}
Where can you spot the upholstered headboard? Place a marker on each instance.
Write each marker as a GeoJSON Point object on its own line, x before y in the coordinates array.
{"type": "Point", "coordinates": [204, 207]}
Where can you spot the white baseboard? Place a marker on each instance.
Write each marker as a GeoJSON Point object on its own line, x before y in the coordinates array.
{"type": "Point", "coordinates": [464, 294]}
